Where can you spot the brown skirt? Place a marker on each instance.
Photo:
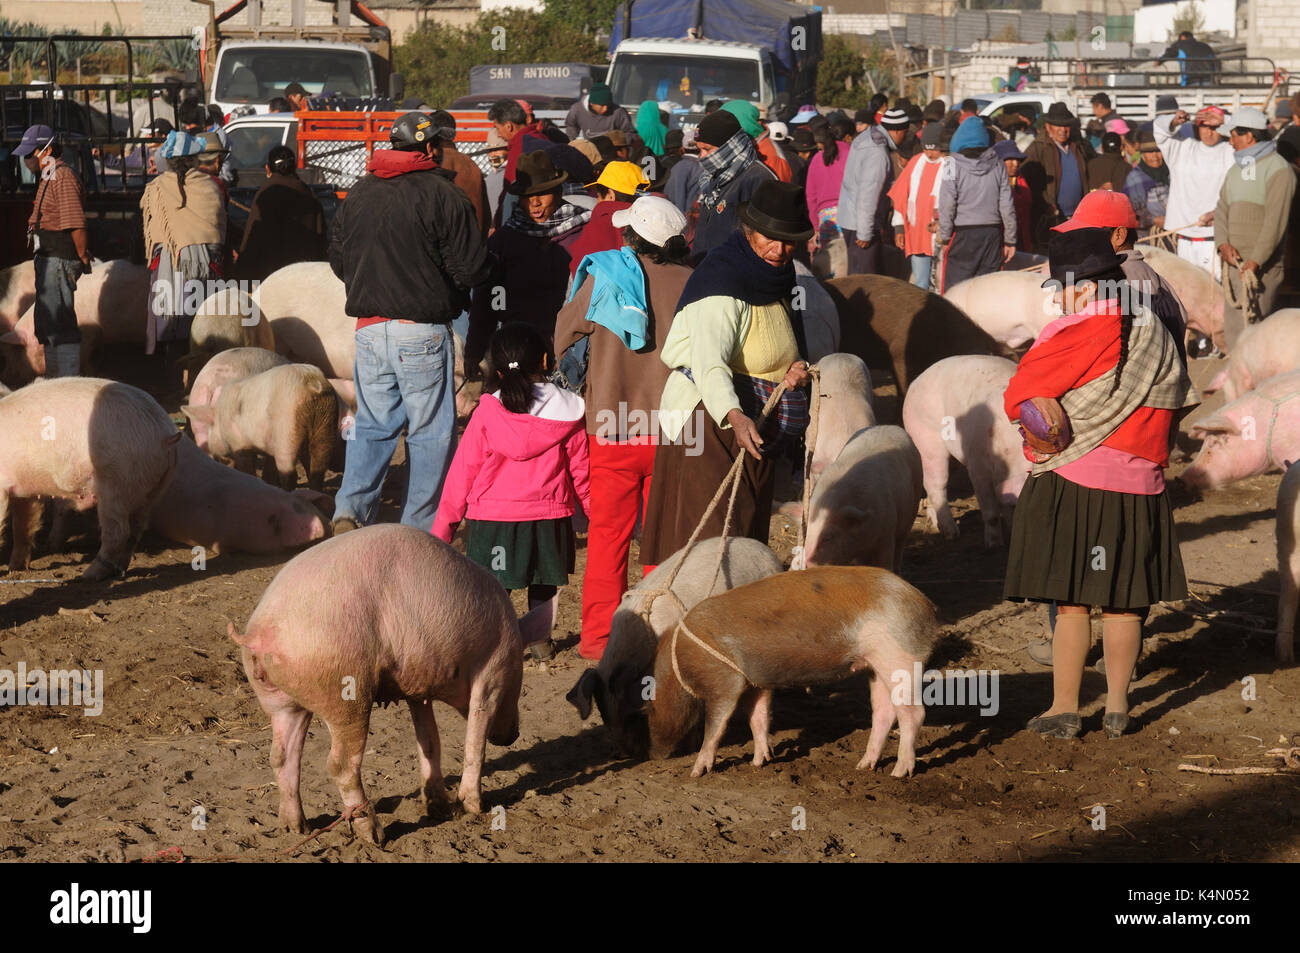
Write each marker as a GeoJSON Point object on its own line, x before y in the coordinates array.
{"type": "Point", "coordinates": [686, 476]}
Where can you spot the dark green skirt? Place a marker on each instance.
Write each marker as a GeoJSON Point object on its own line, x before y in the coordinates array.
{"type": "Point", "coordinates": [529, 553]}
{"type": "Point", "coordinates": [1090, 547]}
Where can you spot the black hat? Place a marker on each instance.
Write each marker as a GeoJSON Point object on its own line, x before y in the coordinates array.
{"type": "Point", "coordinates": [717, 127]}
{"type": "Point", "coordinates": [934, 111]}
{"type": "Point", "coordinates": [1059, 115]}
{"type": "Point", "coordinates": [1080, 255]}
{"type": "Point", "coordinates": [673, 140]}
{"type": "Point", "coordinates": [866, 116]}
{"type": "Point", "coordinates": [778, 210]}
{"type": "Point", "coordinates": [802, 140]}
{"type": "Point", "coordinates": [535, 173]}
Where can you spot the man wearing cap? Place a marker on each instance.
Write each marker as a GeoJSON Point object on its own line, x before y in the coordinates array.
{"type": "Point", "coordinates": [1250, 221]}
{"type": "Point", "coordinates": [977, 220]}
{"type": "Point", "coordinates": [622, 305]}
{"type": "Point", "coordinates": [1056, 170]}
{"type": "Point", "coordinates": [896, 124]}
{"type": "Point", "coordinates": [730, 171]}
{"type": "Point", "coordinates": [746, 114]}
{"type": "Point", "coordinates": [408, 249]}
{"type": "Point", "coordinates": [1147, 185]}
{"type": "Point", "coordinates": [915, 196]}
{"type": "Point", "coordinates": [618, 185]}
{"type": "Point", "coordinates": [596, 113]}
{"type": "Point", "coordinates": [56, 230]}
{"type": "Point", "coordinates": [1197, 168]}
{"type": "Point", "coordinates": [863, 213]}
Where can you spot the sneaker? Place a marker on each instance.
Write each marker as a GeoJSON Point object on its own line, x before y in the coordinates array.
{"type": "Point", "coordinates": [344, 524]}
{"type": "Point", "coordinates": [1041, 652]}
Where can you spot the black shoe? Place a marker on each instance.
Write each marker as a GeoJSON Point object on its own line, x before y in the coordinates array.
{"type": "Point", "coordinates": [1065, 725]}
{"type": "Point", "coordinates": [1115, 723]}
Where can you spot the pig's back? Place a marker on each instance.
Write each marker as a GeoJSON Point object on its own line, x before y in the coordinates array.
{"type": "Point", "coordinates": [229, 366]}
{"type": "Point", "coordinates": [306, 305]}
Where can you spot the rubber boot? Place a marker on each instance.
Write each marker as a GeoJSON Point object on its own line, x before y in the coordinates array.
{"type": "Point", "coordinates": [63, 360]}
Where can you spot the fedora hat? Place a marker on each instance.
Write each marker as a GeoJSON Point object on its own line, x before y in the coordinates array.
{"type": "Point", "coordinates": [803, 141]}
{"type": "Point", "coordinates": [1059, 115]}
{"type": "Point", "coordinates": [778, 210]}
{"type": "Point", "coordinates": [1081, 255]}
{"type": "Point", "coordinates": [535, 173]}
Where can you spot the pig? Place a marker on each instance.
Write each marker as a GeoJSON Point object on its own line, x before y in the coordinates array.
{"type": "Point", "coordinates": [1264, 350]}
{"type": "Point", "coordinates": [863, 506]}
{"type": "Point", "coordinates": [794, 629]}
{"type": "Point", "coordinates": [383, 614]}
{"type": "Point", "coordinates": [95, 443]}
{"type": "Point", "coordinates": [618, 681]}
{"type": "Point", "coordinates": [1288, 563]}
{"type": "Point", "coordinates": [227, 319]}
{"type": "Point", "coordinates": [288, 413]}
{"type": "Point", "coordinates": [112, 308]}
{"type": "Point", "coordinates": [1201, 296]}
{"type": "Point", "coordinates": [955, 409]}
{"type": "Point", "coordinates": [1012, 306]}
{"type": "Point", "coordinates": [17, 292]}
{"type": "Point", "coordinates": [897, 327]}
{"type": "Point", "coordinates": [845, 406]}
{"type": "Point", "coordinates": [1258, 431]}
{"type": "Point", "coordinates": [821, 323]}
{"type": "Point", "coordinates": [226, 511]}
{"type": "Point", "coordinates": [226, 368]}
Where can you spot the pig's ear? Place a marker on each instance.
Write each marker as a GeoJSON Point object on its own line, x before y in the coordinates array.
{"type": "Point", "coordinates": [1220, 379]}
{"type": "Point", "coordinates": [322, 501]}
{"type": "Point", "coordinates": [1212, 425]}
{"type": "Point", "coordinates": [203, 415]}
{"type": "Point", "coordinates": [536, 625]}
{"type": "Point", "coordinates": [851, 514]}
{"type": "Point", "coordinates": [583, 691]}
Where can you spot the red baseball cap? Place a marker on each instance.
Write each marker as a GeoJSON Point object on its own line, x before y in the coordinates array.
{"type": "Point", "coordinates": [1101, 209]}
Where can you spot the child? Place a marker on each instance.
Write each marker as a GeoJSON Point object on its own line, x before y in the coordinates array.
{"type": "Point", "coordinates": [1093, 525]}
{"type": "Point", "coordinates": [519, 471]}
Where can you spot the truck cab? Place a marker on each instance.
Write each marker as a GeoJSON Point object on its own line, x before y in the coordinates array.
{"type": "Point", "coordinates": [253, 72]}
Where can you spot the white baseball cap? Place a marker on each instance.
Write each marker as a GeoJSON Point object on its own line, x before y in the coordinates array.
{"type": "Point", "coordinates": [778, 131]}
{"type": "Point", "coordinates": [1248, 117]}
{"type": "Point", "coordinates": [652, 217]}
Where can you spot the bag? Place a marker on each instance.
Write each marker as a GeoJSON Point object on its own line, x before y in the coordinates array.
{"type": "Point", "coordinates": [571, 369]}
{"type": "Point", "coordinates": [1044, 427]}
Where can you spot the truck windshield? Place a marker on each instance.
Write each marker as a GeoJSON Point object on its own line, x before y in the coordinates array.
{"type": "Point", "coordinates": [689, 80]}
{"type": "Point", "coordinates": [259, 74]}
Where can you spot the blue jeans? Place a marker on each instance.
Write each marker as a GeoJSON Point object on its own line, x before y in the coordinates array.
{"type": "Point", "coordinates": [403, 377]}
{"type": "Point", "coordinates": [922, 265]}
{"type": "Point", "coordinates": [54, 317]}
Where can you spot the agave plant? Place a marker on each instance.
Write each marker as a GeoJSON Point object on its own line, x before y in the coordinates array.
{"type": "Point", "coordinates": [177, 54]}
{"type": "Point", "coordinates": [15, 56]}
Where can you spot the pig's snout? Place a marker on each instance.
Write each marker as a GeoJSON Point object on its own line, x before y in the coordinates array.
{"type": "Point", "coordinates": [633, 736]}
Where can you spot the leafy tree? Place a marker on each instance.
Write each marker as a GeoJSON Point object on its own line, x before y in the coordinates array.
{"type": "Point", "coordinates": [589, 16]}
{"type": "Point", "coordinates": [840, 74]}
{"type": "Point", "coordinates": [1189, 18]}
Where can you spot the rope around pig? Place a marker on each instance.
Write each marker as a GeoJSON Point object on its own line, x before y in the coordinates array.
{"type": "Point", "coordinates": [1248, 305]}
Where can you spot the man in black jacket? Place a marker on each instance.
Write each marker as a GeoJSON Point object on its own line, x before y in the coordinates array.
{"type": "Point", "coordinates": [408, 248]}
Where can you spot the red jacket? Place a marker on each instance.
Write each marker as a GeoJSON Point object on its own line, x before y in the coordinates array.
{"type": "Point", "coordinates": [599, 234]}
{"type": "Point", "coordinates": [1074, 350]}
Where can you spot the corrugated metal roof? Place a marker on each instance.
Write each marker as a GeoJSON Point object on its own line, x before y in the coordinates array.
{"type": "Point", "coordinates": [964, 28]}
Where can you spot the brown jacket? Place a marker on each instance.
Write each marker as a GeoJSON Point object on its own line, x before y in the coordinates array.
{"type": "Point", "coordinates": [286, 224]}
{"type": "Point", "coordinates": [469, 180]}
{"type": "Point", "coordinates": [623, 387]}
{"type": "Point", "coordinates": [1041, 171]}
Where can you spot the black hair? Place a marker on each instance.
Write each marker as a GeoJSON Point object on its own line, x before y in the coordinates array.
{"type": "Point", "coordinates": [712, 106]}
{"type": "Point", "coordinates": [1111, 285]}
{"type": "Point", "coordinates": [877, 101]}
{"type": "Point", "coordinates": [673, 252]}
{"type": "Point", "coordinates": [443, 118]}
{"type": "Point", "coordinates": [829, 138]}
{"type": "Point", "coordinates": [279, 105]}
{"type": "Point", "coordinates": [282, 160]}
{"type": "Point", "coordinates": [1111, 143]}
{"type": "Point", "coordinates": [972, 152]}
{"type": "Point", "coordinates": [969, 106]}
{"type": "Point", "coordinates": [182, 165]}
{"type": "Point", "coordinates": [1101, 99]}
{"type": "Point", "coordinates": [192, 113]}
{"type": "Point", "coordinates": [518, 355]}
{"type": "Point", "coordinates": [215, 116]}
{"type": "Point", "coordinates": [507, 110]}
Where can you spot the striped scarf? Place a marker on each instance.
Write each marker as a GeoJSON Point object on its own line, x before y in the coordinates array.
{"type": "Point", "coordinates": [564, 219]}
{"type": "Point", "coordinates": [723, 164]}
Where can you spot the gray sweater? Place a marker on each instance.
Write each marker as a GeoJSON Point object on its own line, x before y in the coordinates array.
{"type": "Point", "coordinates": [976, 192]}
{"type": "Point", "coordinates": [868, 174]}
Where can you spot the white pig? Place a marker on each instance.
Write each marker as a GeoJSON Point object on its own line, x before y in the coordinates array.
{"type": "Point", "coordinates": [617, 683]}
{"type": "Point", "coordinates": [955, 408]}
{"type": "Point", "coordinates": [865, 502]}
{"type": "Point", "coordinates": [845, 406]}
{"type": "Point", "coordinates": [1288, 563]}
{"type": "Point", "coordinates": [17, 292]}
{"type": "Point", "coordinates": [226, 511]}
{"type": "Point", "coordinates": [112, 308]}
{"type": "Point", "coordinates": [1264, 350]}
{"type": "Point", "coordinates": [288, 413]}
{"type": "Point", "coordinates": [227, 319]}
{"type": "Point", "coordinates": [1012, 306]}
{"type": "Point", "coordinates": [1200, 294]}
{"type": "Point", "coordinates": [95, 443]}
{"type": "Point", "coordinates": [226, 368]}
{"type": "Point", "coordinates": [1258, 431]}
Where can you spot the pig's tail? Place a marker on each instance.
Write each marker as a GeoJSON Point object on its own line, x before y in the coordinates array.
{"type": "Point", "coordinates": [518, 360]}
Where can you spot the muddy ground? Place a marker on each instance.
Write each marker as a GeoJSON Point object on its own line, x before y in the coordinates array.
{"type": "Point", "coordinates": [179, 758]}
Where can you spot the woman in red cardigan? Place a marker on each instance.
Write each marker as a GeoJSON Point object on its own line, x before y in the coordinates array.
{"type": "Point", "coordinates": [1093, 525]}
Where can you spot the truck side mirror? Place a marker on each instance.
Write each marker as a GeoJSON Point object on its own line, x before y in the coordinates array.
{"type": "Point", "coordinates": [396, 87]}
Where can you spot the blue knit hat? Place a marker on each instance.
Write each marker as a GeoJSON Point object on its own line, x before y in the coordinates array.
{"type": "Point", "coordinates": [182, 144]}
{"type": "Point", "coordinates": [971, 134]}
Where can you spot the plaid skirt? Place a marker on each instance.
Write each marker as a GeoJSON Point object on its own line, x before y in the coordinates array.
{"type": "Point", "coordinates": [523, 554]}
{"type": "Point", "coordinates": [1077, 545]}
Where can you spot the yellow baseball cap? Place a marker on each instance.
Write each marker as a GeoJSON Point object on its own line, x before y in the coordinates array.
{"type": "Point", "coordinates": [623, 177]}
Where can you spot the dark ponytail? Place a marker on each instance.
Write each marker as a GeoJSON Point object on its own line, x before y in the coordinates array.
{"type": "Point", "coordinates": [1116, 286]}
{"type": "Point", "coordinates": [672, 252]}
{"type": "Point", "coordinates": [518, 355]}
{"type": "Point", "coordinates": [282, 160]}
{"type": "Point", "coordinates": [181, 165]}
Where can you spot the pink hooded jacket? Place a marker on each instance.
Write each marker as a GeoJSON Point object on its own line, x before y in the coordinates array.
{"type": "Point", "coordinates": [511, 468]}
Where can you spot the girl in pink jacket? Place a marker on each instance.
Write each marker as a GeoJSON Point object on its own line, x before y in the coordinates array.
{"type": "Point", "coordinates": [520, 471]}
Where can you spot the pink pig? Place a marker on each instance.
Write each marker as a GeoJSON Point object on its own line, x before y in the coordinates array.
{"type": "Point", "coordinates": [1264, 350]}
{"type": "Point", "coordinates": [383, 614]}
{"type": "Point", "coordinates": [1258, 431]}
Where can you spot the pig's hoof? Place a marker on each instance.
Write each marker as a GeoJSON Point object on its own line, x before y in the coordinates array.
{"type": "Point", "coordinates": [365, 828]}
{"type": "Point", "coordinates": [471, 803]}
{"type": "Point", "coordinates": [101, 569]}
{"type": "Point", "coordinates": [761, 757]}
{"type": "Point", "coordinates": [949, 530]}
{"type": "Point", "coordinates": [438, 808]}
{"type": "Point", "coordinates": [701, 768]}
{"type": "Point", "coordinates": [291, 826]}
{"type": "Point", "coordinates": [903, 769]}
{"type": "Point", "coordinates": [867, 763]}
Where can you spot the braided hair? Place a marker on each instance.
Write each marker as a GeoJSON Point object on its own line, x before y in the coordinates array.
{"type": "Point", "coordinates": [1115, 286]}
{"type": "Point", "coordinates": [181, 165]}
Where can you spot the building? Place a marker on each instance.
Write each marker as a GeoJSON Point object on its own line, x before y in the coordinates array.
{"type": "Point", "coordinates": [85, 16]}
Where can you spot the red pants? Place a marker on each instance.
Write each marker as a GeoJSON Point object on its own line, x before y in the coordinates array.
{"type": "Point", "coordinates": [620, 486]}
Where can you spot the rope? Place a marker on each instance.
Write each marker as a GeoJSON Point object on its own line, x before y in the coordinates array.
{"type": "Point", "coordinates": [1248, 304]}
{"type": "Point", "coordinates": [810, 444]}
{"type": "Point", "coordinates": [681, 627]}
{"type": "Point", "coordinates": [1154, 236]}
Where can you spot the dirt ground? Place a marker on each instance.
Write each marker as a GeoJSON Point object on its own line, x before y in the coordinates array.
{"type": "Point", "coordinates": [180, 755]}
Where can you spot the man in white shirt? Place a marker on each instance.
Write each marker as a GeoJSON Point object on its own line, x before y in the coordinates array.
{"type": "Point", "coordinates": [1197, 168]}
